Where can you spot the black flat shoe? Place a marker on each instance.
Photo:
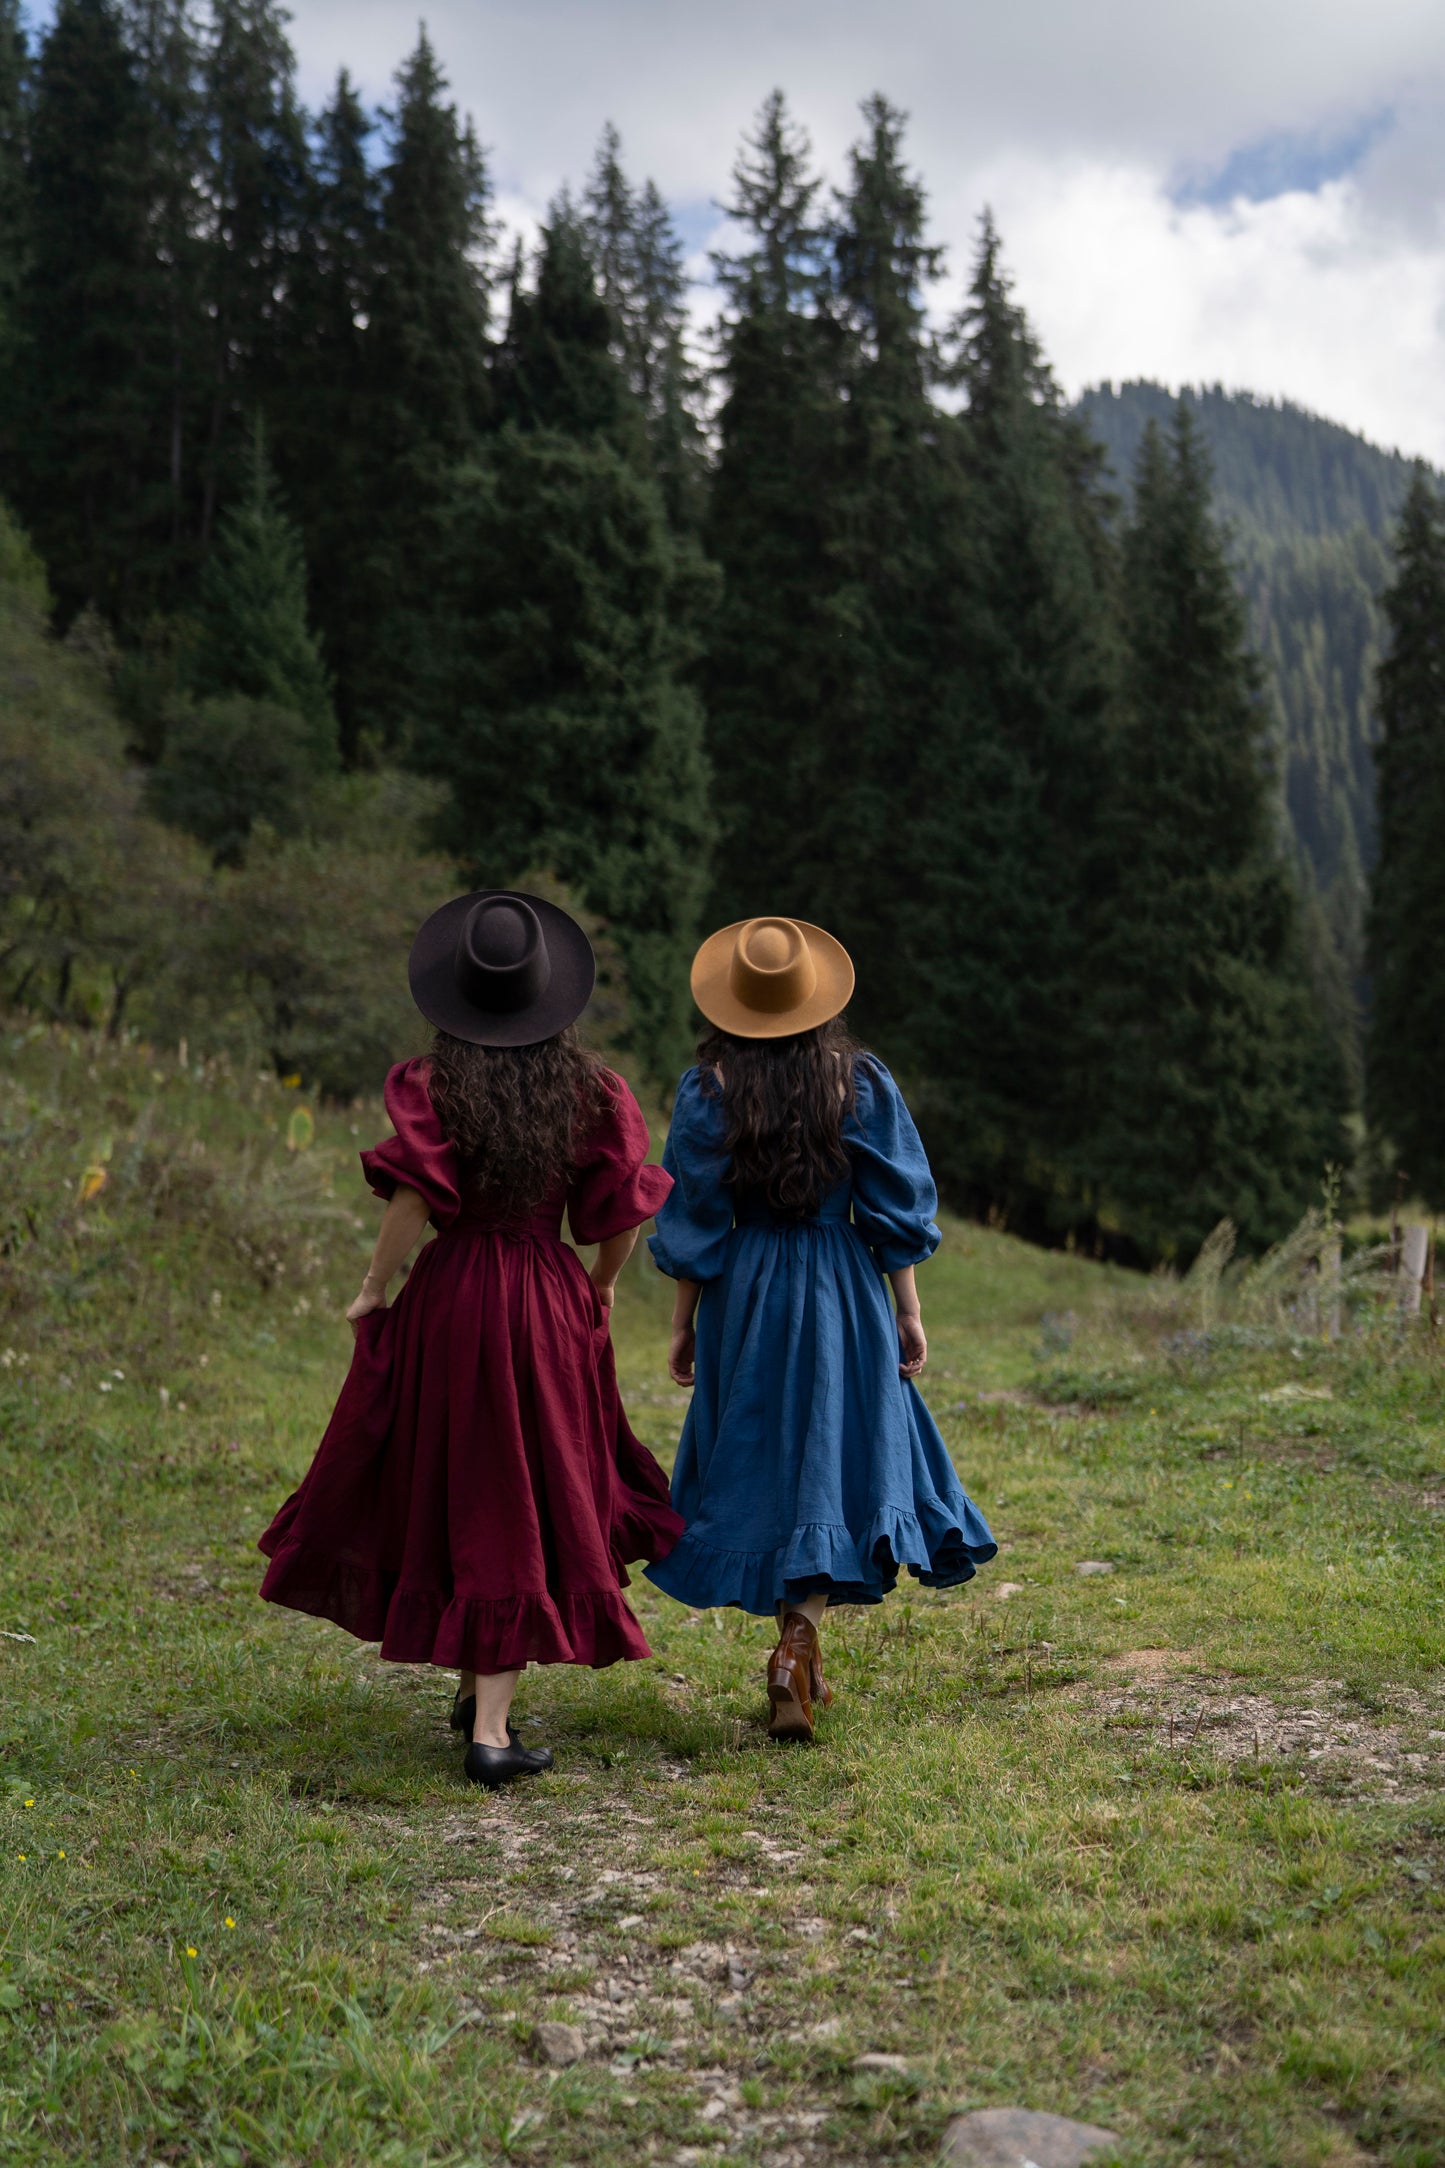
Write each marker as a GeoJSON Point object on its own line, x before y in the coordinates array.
{"type": "Point", "coordinates": [464, 1716]}
{"type": "Point", "coordinates": [495, 1766]}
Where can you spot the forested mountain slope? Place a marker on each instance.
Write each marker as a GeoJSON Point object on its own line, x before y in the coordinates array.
{"type": "Point", "coordinates": [1310, 507]}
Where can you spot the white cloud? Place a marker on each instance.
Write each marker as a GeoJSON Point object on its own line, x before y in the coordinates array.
{"type": "Point", "coordinates": [1073, 120]}
{"type": "Point", "coordinates": [1310, 297]}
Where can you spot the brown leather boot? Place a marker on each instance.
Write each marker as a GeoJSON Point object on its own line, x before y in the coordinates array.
{"type": "Point", "coordinates": [818, 1686]}
{"type": "Point", "coordinates": [790, 1679]}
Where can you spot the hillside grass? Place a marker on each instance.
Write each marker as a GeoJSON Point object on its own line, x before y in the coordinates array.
{"type": "Point", "coordinates": [1162, 1847]}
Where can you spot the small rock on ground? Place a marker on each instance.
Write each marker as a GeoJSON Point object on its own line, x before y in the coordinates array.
{"type": "Point", "coordinates": [1021, 2138]}
{"type": "Point", "coordinates": [1093, 1565]}
{"type": "Point", "coordinates": [558, 2043]}
{"type": "Point", "coordinates": [1008, 1588]}
{"type": "Point", "coordinates": [881, 2062]}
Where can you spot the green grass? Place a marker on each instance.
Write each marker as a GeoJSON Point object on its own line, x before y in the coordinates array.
{"type": "Point", "coordinates": [1163, 1848]}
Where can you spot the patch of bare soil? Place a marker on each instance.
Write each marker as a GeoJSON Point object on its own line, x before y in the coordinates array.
{"type": "Point", "coordinates": [1330, 1738]}
{"type": "Point", "coordinates": [1012, 1396]}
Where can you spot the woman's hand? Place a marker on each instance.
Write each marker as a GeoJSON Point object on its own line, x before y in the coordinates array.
{"type": "Point", "coordinates": [606, 1289]}
{"type": "Point", "coordinates": [912, 1344]}
{"type": "Point", "coordinates": [682, 1355]}
{"type": "Point", "coordinates": [371, 1298]}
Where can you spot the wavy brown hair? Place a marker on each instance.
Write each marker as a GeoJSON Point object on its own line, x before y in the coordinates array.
{"type": "Point", "coordinates": [515, 1113]}
{"type": "Point", "coordinates": [785, 1102]}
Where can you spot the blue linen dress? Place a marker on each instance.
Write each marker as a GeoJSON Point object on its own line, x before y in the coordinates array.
{"type": "Point", "coordinates": [806, 1461]}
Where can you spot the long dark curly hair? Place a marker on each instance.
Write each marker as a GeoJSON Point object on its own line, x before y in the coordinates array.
{"type": "Point", "coordinates": [785, 1102]}
{"type": "Point", "coordinates": [515, 1113]}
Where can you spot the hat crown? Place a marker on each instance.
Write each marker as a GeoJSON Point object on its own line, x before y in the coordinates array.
{"type": "Point", "coordinates": [772, 966]}
{"type": "Point", "coordinates": [501, 963]}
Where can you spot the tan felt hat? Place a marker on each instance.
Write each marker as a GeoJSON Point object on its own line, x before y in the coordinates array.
{"type": "Point", "coordinates": [765, 977]}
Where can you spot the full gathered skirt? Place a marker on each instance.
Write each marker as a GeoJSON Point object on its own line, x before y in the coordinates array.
{"type": "Point", "coordinates": [806, 1461]}
{"type": "Point", "coordinates": [478, 1492]}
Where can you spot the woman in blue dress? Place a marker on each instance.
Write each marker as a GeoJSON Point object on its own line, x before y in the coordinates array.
{"type": "Point", "coordinates": [810, 1470]}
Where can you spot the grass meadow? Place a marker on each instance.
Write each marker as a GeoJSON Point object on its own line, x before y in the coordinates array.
{"type": "Point", "coordinates": [1161, 1846]}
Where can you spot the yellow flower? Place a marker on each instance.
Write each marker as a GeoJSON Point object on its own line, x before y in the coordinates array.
{"type": "Point", "coordinates": [60, 1855]}
{"type": "Point", "coordinates": [292, 1083]}
{"type": "Point", "coordinates": [20, 1855]}
{"type": "Point", "coordinates": [229, 1921]}
{"type": "Point", "coordinates": [191, 1951]}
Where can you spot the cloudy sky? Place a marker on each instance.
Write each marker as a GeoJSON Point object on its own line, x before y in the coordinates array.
{"type": "Point", "coordinates": [1247, 191]}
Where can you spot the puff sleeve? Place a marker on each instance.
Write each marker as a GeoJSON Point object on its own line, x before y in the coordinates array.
{"type": "Point", "coordinates": [693, 1226]}
{"type": "Point", "coordinates": [419, 1156]}
{"type": "Point", "coordinates": [614, 1188]}
{"type": "Point", "coordinates": [894, 1198]}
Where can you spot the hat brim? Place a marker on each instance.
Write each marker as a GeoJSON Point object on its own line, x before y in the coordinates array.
{"type": "Point", "coordinates": [430, 969]}
{"type": "Point", "coordinates": [713, 992]}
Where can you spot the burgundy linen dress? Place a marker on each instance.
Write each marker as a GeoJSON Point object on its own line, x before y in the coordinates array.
{"type": "Point", "coordinates": [479, 1490]}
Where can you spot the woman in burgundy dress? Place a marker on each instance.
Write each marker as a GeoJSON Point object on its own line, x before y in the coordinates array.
{"type": "Point", "coordinates": [479, 1493]}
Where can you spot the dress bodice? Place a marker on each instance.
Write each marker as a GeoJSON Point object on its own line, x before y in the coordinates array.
{"type": "Point", "coordinates": [612, 1189]}
{"type": "Point", "coordinates": [888, 1196]}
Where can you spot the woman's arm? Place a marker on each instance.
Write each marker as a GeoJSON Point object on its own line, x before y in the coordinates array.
{"type": "Point", "coordinates": [912, 1342]}
{"type": "Point", "coordinates": [611, 1256]}
{"type": "Point", "coordinates": [401, 1229]}
{"type": "Point", "coordinates": [682, 1347]}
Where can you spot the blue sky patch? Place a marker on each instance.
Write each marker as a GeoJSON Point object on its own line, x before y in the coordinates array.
{"type": "Point", "coordinates": [1277, 165]}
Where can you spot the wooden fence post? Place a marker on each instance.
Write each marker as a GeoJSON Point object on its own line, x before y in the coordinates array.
{"type": "Point", "coordinates": [1414, 1256]}
{"type": "Point", "coordinates": [1332, 1287]}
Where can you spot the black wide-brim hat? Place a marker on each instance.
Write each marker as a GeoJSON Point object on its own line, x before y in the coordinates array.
{"type": "Point", "coordinates": [501, 969]}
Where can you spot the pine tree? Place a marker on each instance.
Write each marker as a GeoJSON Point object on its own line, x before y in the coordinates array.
{"type": "Point", "coordinates": [769, 670]}
{"type": "Point", "coordinates": [428, 364]}
{"type": "Point", "coordinates": [257, 183]}
{"type": "Point", "coordinates": [254, 638]}
{"type": "Point", "coordinates": [14, 126]}
{"type": "Point", "coordinates": [638, 262]}
{"type": "Point", "coordinates": [429, 303]}
{"type": "Point", "coordinates": [1214, 1091]}
{"type": "Point", "coordinates": [1406, 1045]}
{"type": "Point", "coordinates": [556, 369]}
{"type": "Point", "coordinates": [557, 703]}
{"type": "Point", "coordinates": [889, 503]}
{"type": "Point", "coordinates": [91, 316]}
{"type": "Point", "coordinates": [165, 45]}
{"type": "Point", "coordinates": [322, 415]}
{"type": "Point", "coordinates": [1007, 790]}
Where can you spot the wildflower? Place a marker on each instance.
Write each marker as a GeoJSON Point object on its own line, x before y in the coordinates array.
{"type": "Point", "coordinates": [229, 1921]}
{"type": "Point", "coordinates": [118, 1374]}
{"type": "Point", "coordinates": [30, 1802]}
{"type": "Point", "coordinates": [106, 1386]}
{"type": "Point", "coordinates": [191, 1950]}
{"type": "Point", "coordinates": [60, 1855]}
{"type": "Point", "coordinates": [7, 1358]}
{"type": "Point", "coordinates": [165, 1396]}
{"type": "Point", "coordinates": [20, 1855]}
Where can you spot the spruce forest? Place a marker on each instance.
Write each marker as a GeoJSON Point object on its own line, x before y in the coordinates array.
{"type": "Point", "coordinates": [350, 549]}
